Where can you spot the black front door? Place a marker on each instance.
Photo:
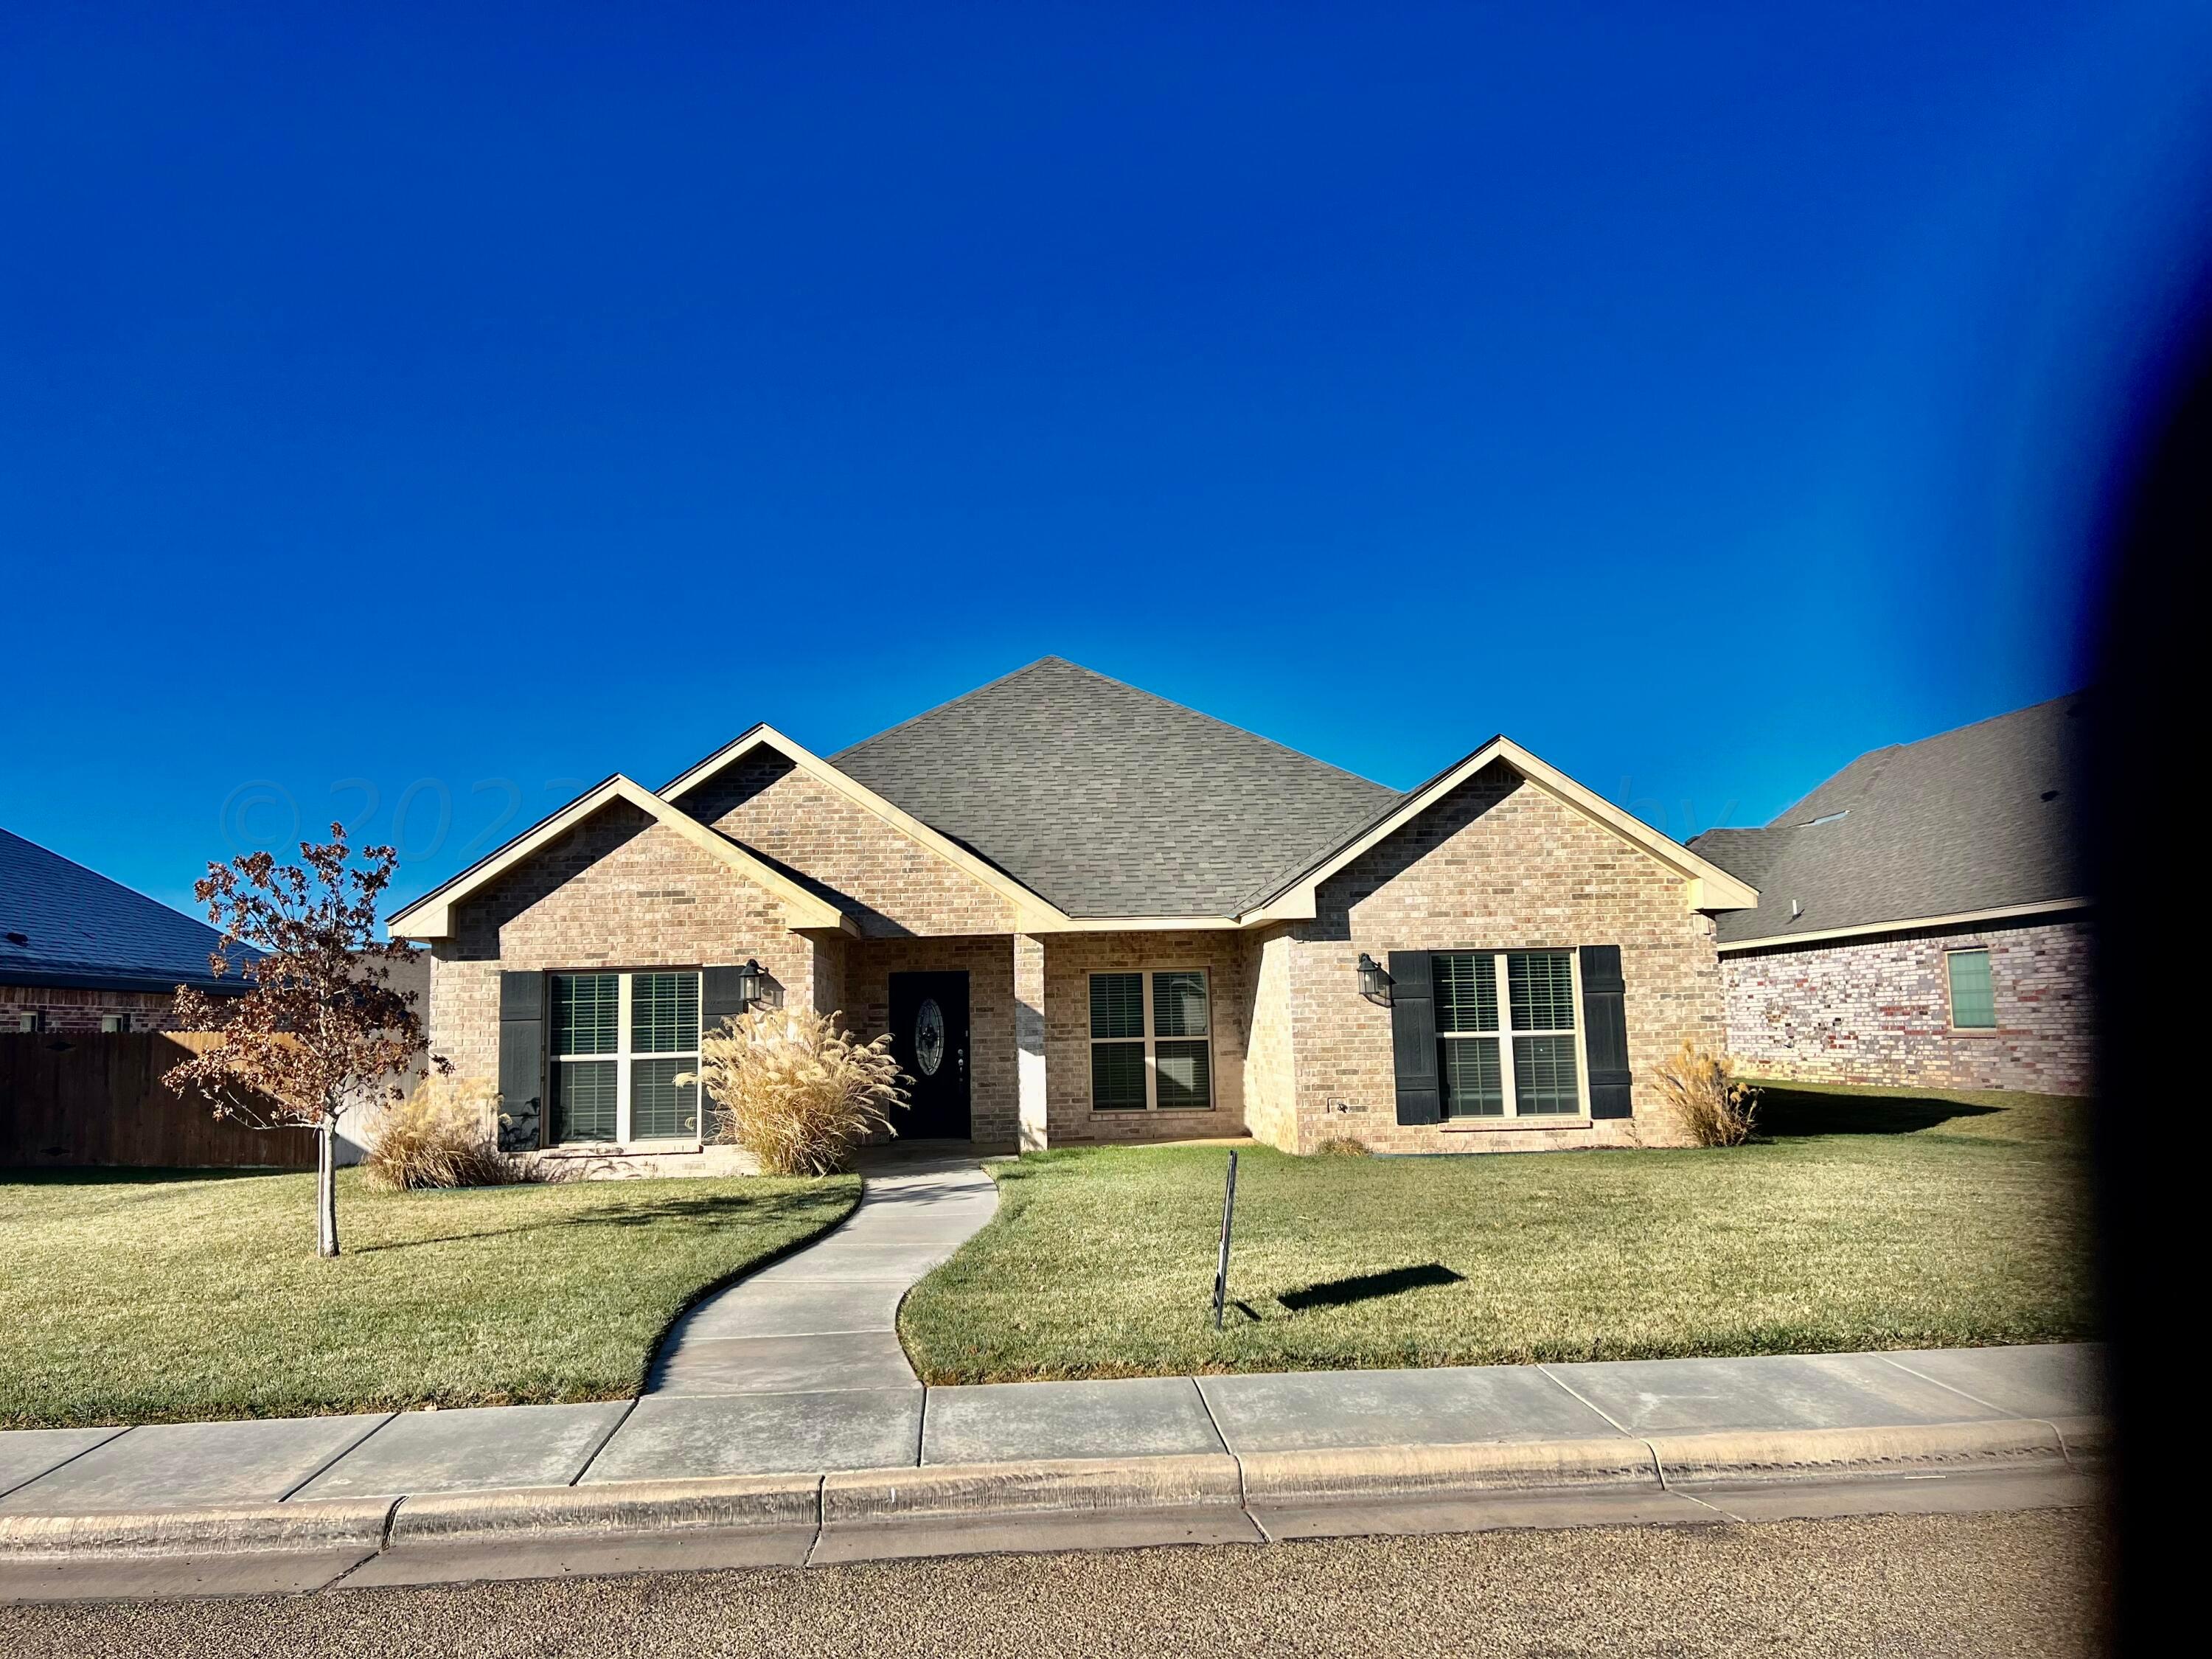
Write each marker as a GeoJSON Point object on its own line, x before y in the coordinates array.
{"type": "Point", "coordinates": [929, 1039]}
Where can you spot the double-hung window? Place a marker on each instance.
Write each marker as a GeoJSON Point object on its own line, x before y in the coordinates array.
{"type": "Point", "coordinates": [1973, 994]}
{"type": "Point", "coordinates": [1506, 1034]}
{"type": "Point", "coordinates": [1151, 1041]}
{"type": "Point", "coordinates": [620, 1040]}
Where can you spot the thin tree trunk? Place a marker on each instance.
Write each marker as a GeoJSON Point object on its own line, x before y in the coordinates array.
{"type": "Point", "coordinates": [326, 1188]}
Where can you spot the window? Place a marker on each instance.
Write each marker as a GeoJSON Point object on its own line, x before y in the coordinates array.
{"type": "Point", "coordinates": [1973, 998]}
{"type": "Point", "coordinates": [115, 1022]}
{"type": "Point", "coordinates": [30, 1021]}
{"type": "Point", "coordinates": [620, 1040]}
{"type": "Point", "coordinates": [1151, 1041]}
{"type": "Point", "coordinates": [1530, 1065]}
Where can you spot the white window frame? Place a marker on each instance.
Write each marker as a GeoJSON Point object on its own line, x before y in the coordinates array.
{"type": "Point", "coordinates": [1508, 1082]}
{"type": "Point", "coordinates": [1151, 1040]}
{"type": "Point", "coordinates": [622, 1055]}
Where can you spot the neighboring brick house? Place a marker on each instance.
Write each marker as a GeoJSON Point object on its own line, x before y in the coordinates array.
{"type": "Point", "coordinates": [1922, 919]}
{"type": "Point", "coordinates": [1083, 914]}
{"type": "Point", "coordinates": [81, 953]}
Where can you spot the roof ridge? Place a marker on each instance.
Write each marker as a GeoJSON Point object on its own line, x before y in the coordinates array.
{"type": "Point", "coordinates": [1781, 820]}
{"type": "Point", "coordinates": [1056, 661]}
{"type": "Point", "coordinates": [940, 707]}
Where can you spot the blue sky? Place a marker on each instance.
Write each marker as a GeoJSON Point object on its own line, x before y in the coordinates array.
{"type": "Point", "coordinates": [446, 409]}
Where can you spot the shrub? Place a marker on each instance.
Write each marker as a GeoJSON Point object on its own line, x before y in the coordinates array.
{"type": "Point", "coordinates": [1343, 1146]}
{"type": "Point", "coordinates": [1715, 1106]}
{"type": "Point", "coordinates": [795, 1092]}
{"type": "Point", "coordinates": [443, 1134]}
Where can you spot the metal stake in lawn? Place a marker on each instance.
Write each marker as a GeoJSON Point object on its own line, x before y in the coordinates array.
{"type": "Point", "coordinates": [1221, 1267]}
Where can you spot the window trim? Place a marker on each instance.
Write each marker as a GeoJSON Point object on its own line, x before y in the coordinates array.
{"type": "Point", "coordinates": [1152, 1041]}
{"type": "Point", "coordinates": [1508, 1080]}
{"type": "Point", "coordinates": [1951, 1025]}
{"type": "Point", "coordinates": [623, 1055]}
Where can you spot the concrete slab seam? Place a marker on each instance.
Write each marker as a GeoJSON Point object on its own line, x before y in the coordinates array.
{"type": "Point", "coordinates": [1951, 1388]}
{"type": "Point", "coordinates": [1572, 1392]}
{"type": "Point", "coordinates": [104, 1440]}
{"type": "Point", "coordinates": [600, 1445]}
{"type": "Point", "coordinates": [331, 1461]}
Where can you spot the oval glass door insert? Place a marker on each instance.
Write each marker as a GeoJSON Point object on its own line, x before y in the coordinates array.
{"type": "Point", "coordinates": [929, 1036]}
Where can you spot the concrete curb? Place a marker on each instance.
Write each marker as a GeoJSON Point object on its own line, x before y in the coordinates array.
{"type": "Point", "coordinates": [1372, 1472]}
{"type": "Point", "coordinates": [1693, 1460]}
{"type": "Point", "coordinates": [235, 1528]}
{"type": "Point", "coordinates": [971, 1496]}
{"type": "Point", "coordinates": [644, 1506]}
{"type": "Point", "coordinates": [1027, 1488]}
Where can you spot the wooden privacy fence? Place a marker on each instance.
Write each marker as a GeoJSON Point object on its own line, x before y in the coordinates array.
{"type": "Point", "coordinates": [77, 1099]}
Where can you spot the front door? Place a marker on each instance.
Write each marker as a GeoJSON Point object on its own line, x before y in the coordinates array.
{"type": "Point", "coordinates": [929, 1039]}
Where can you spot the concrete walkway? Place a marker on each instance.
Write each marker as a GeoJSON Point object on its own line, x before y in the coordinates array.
{"type": "Point", "coordinates": [857, 1423]}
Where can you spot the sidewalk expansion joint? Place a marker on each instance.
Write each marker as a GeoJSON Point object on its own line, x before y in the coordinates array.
{"type": "Point", "coordinates": [332, 1461]}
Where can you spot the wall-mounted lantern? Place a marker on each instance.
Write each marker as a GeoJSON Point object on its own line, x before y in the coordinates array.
{"type": "Point", "coordinates": [756, 989]}
{"type": "Point", "coordinates": [1374, 983]}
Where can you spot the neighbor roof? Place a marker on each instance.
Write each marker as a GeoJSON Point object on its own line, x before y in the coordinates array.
{"type": "Point", "coordinates": [1966, 823]}
{"type": "Point", "coordinates": [1109, 801]}
{"type": "Point", "coordinates": [78, 928]}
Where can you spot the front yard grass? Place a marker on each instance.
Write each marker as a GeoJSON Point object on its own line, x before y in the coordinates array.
{"type": "Point", "coordinates": [135, 1295]}
{"type": "Point", "coordinates": [1862, 1218]}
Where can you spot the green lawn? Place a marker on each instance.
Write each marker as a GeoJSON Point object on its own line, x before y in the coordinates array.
{"type": "Point", "coordinates": [134, 1295]}
{"type": "Point", "coordinates": [1864, 1219]}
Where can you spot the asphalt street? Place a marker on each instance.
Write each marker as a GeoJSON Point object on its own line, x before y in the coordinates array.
{"type": "Point", "coordinates": [2013, 1584]}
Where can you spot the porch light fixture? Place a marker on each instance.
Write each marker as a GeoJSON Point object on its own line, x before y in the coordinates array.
{"type": "Point", "coordinates": [1374, 983]}
{"type": "Point", "coordinates": [755, 988]}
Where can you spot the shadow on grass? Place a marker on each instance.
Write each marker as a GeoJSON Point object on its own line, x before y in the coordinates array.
{"type": "Point", "coordinates": [680, 1210]}
{"type": "Point", "coordinates": [1786, 1114]}
{"type": "Point", "coordinates": [1368, 1287]}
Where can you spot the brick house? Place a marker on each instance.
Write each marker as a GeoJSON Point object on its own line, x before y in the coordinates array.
{"type": "Point", "coordinates": [1921, 919]}
{"type": "Point", "coordinates": [80, 953]}
{"type": "Point", "coordinates": [1083, 913]}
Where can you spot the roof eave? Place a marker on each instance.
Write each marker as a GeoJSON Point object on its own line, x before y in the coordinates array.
{"type": "Point", "coordinates": [1909, 924]}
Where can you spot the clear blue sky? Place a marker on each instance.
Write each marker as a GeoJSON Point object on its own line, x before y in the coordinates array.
{"type": "Point", "coordinates": [1699, 394]}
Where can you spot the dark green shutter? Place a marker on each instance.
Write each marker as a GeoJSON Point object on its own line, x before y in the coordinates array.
{"type": "Point", "coordinates": [1414, 1037]}
{"type": "Point", "coordinates": [522, 1046]}
{"type": "Point", "coordinates": [721, 996]}
{"type": "Point", "coordinates": [1604, 1029]}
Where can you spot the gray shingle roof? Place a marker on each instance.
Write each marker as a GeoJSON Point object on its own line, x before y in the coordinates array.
{"type": "Point", "coordinates": [80, 928]}
{"type": "Point", "coordinates": [1108, 801]}
{"type": "Point", "coordinates": [1981, 818]}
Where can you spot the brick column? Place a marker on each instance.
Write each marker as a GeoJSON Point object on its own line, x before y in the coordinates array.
{"type": "Point", "coordinates": [1029, 1038]}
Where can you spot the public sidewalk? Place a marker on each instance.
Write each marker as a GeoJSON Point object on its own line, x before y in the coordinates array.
{"type": "Point", "coordinates": [782, 1423]}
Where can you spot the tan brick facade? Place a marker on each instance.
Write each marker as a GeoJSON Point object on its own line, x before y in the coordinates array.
{"type": "Point", "coordinates": [1070, 959]}
{"type": "Point", "coordinates": [890, 882]}
{"type": "Point", "coordinates": [1878, 1010]}
{"type": "Point", "coordinates": [1499, 864]}
{"type": "Point", "coordinates": [617, 892]}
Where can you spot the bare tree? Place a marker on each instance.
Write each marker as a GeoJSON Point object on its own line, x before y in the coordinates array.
{"type": "Point", "coordinates": [322, 1028]}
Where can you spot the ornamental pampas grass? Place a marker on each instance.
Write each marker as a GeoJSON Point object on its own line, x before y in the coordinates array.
{"type": "Point", "coordinates": [795, 1092]}
{"type": "Point", "coordinates": [1716, 1107]}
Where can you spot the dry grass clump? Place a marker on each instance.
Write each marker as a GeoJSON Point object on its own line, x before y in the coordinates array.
{"type": "Point", "coordinates": [1344, 1146]}
{"type": "Point", "coordinates": [795, 1090]}
{"type": "Point", "coordinates": [445, 1134]}
{"type": "Point", "coordinates": [1716, 1107]}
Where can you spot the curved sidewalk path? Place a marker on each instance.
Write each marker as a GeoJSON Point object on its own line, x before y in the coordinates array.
{"type": "Point", "coordinates": [826, 1317]}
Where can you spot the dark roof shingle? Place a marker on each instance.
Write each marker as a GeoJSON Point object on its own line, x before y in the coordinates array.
{"type": "Point", "coordinates": [1110, 801]}
{"type": "Point", "coordinates": [1980, 818]}
{"type": "Point", "coordinates": [80, 928]}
